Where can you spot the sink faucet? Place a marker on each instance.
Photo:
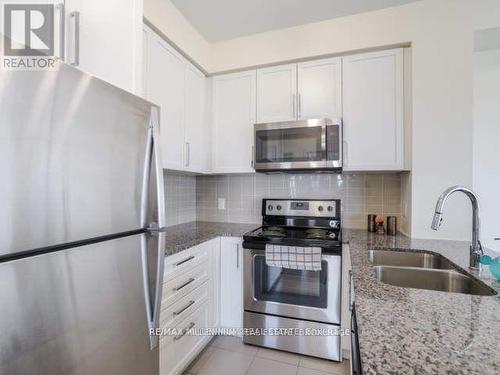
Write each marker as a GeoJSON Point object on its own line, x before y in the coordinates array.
{"type": "Point", "coordinates": [476, 249]}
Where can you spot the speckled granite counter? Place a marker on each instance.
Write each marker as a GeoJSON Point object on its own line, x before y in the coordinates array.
{"type": "Point", "coordinates": [413, 331]}
{"type": "Point", "coordinates": [183, 236]}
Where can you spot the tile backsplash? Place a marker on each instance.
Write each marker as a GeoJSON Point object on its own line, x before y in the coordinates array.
{"type": "Point", "coordinates": [180, 198]}
{"type": "Point", "coordinates": [361, 194]}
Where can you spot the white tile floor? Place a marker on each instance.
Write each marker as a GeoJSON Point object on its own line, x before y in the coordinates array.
{"type": "Point", "coordinates": [227, 355]}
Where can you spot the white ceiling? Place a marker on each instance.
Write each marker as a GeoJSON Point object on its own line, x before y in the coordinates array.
{"type": "Point", "coordinates": [226, 19]}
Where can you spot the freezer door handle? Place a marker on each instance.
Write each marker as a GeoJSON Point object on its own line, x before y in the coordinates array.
{"type": "Point", "coordinates": [62, 30]}
{"type": "Point", "coordinates": [75, 17]}
{"type": "Point", "coordinates": [152, 167]}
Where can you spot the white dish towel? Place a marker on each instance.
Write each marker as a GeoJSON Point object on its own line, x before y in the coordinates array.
{"type": "Point", "coordinates": [294, 257]}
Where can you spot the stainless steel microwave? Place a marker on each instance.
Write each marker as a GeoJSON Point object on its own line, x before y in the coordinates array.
{"type": "Point", "coordinates": [298, 145]}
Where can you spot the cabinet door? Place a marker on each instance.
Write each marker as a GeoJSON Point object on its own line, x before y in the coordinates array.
{"type": "Point", "coordinates": [109, 39]}
{"type": "Point", "coordinates": [231, 282]}
{"type": "Point", "coordinates": [196, 126]}
{"type": "Point", "coordinates": [319, 89]}
{"type": "Point", "coordinates": [277, 93]}
{"type": "Point", "coordinates": [165, 87]}
{"type": "Point", "coordinates": [146, 36]}
{"type": "Point", "coordinates": [373, 111]}
{"type": "Point", "coordinates": [215, 275]}
{"type": "Point", "coordinates": [233, 120]}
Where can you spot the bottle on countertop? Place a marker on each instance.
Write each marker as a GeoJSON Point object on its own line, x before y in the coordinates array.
{"type": "Point", "coordinates": [379, 220]}
{"type": "Point", "coordinates": [372, 227]}
{"type": "Point", "coordinates": [392, 225]}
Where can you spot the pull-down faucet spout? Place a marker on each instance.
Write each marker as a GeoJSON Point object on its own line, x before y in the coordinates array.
{"type": "Point", "coordinates": [475, 248]}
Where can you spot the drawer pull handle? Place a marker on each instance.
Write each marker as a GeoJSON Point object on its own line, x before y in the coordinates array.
{"type": "Point", "coordinates": [184, 261]}
{"type": "Point", "coordinates": [184, 308]}
{"type": "Point", "coordinates": [177, 288]}
{"type": "Point", "coordinates": [184, 331]}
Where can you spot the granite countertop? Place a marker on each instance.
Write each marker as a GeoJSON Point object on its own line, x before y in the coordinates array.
{"type": "Point", "coordinates": [183, 236]}
{"type": "Point", "coordinates": [414, 331]}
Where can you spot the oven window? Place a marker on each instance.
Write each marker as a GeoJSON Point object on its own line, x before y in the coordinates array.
{"type": "Point", "coordinates": [290, 145]}
{"type": "Point", "coordinates": [295, 287]}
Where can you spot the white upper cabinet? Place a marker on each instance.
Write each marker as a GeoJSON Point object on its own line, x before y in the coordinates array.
{"type": "Point", "coordinates": [196, 130]}
{"type": "Point", "coordinates": [307, 90]}
{"type": "Point", "coordinates": [180, 90]}
{"type": "Point", "coordinates": [207, 125]}
{"type": "Point", "coordinates": [373, 111]}
{"type": "Point", "coordinates": [165, 87]}
{"type": "Point", "coordinates": [109, 39]}
{"type": "Point", "coordinates": [233, 102]}
{"type": "Point", "coordinates": [277, 93]}
{"type": "Point", "coordinates": [319, 89]}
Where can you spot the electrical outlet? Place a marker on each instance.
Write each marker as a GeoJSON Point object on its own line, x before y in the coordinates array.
{"type": "Point", "coordinates": [221, 203]}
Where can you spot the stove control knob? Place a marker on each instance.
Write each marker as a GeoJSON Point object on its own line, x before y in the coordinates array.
{"type": "Point", "coordinates": [278, 207]}
{"type": "Point", "coordinates": [330, 208]}
{"type": "Point", "coordinates": [320, 208]}
{"type": "Point", "coordinates": [334, 224]}
{"type": "Point", "coordinates": [270, 208]}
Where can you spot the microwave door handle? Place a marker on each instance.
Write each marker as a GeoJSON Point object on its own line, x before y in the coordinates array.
{"type": "Point", "coordinates": [340, 144]}
{"type": "Point", "coordinates": [323, 142]}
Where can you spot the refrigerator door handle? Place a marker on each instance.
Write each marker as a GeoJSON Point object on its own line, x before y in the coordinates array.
{"type": "Point", "coordinates": [152, 160]}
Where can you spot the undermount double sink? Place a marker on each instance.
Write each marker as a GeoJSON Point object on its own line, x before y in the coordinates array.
{"type": "Point", "coordinates": [424, 271]}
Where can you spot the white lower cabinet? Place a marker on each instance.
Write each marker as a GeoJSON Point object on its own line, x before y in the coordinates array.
{"type": "Point", "coordinates": [176, 352]}
{"type": "Point", "coordinates": [190, 300]}
{"type": "Point", "coordinates": [215, 271]}
{"type": "Point", "coordinates": [231, 286]}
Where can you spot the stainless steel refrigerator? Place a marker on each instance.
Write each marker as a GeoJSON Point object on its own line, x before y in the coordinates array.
{"type": "Point", "coordinates": [81, 226]}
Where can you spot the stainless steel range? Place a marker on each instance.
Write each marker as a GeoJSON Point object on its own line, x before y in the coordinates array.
{"type": "Point", "coordinates": [294, 308]}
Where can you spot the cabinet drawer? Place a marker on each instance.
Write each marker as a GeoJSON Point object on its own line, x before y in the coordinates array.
{"type": "Point", "coordinates": [182, 285]}
{"type": "Point", "coordinates": [178, 311]}
{"type": "Point", "coordinates": [184, 261]}
{"type": "Point", "coordinates": [177, 351]}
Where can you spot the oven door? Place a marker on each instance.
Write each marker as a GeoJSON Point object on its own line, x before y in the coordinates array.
{"type": "Point", "coordinates": [307, 144]}
{"type": "Point", "coordinates": [310, 295]}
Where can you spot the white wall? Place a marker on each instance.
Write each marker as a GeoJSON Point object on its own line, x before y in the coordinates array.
{"type": "Point", "coordinates": [486, 143]}
{"type": "Point", "coordinates": [171, 22]}
{"type": "Point", "coordinates": [440, 32]}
